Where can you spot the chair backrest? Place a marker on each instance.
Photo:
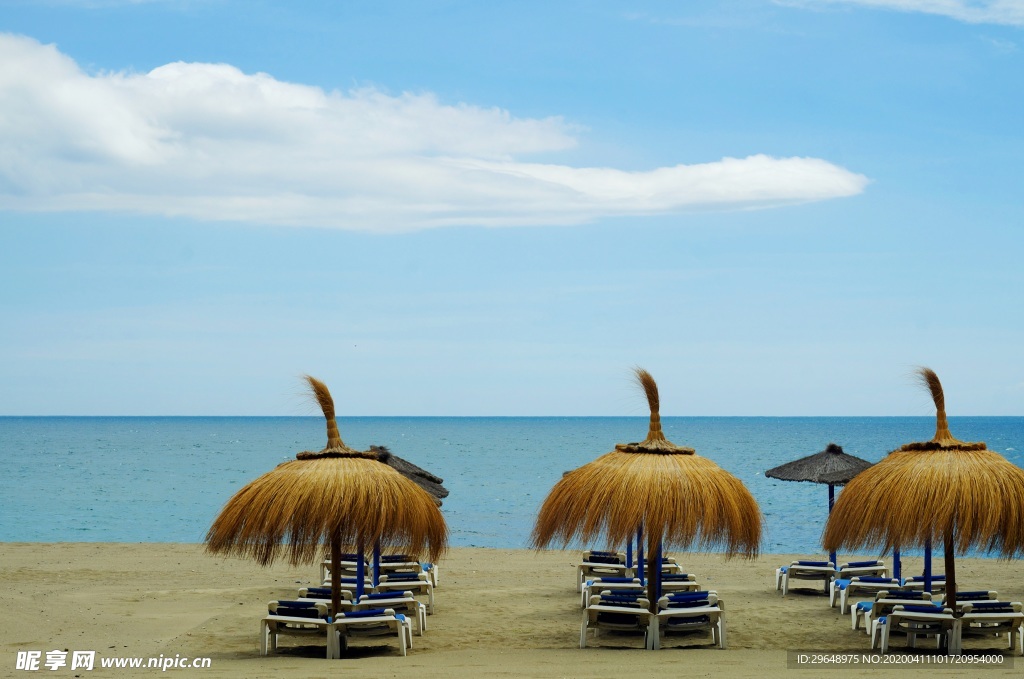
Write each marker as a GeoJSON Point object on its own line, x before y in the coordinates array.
{"type": "Point", "coordinates": [612, 558]}
{"type": "Point", "coordinates": [974, 595]}
{"type": "Point", "coordinates": [991, 607]}
{"type": "Point", "coordinates": [322, 593]}
{"type": "Point", "coordinates": [404, 577]}
{"type": "Point", "coordinates": [815, 564]}
{"type": "Point", "coordinates": [868, 579]}
{"type": "Point", "coordinates": [368, 613]}
{"type": "Point", "coordinates": [298, 609]}
{"type": "Point", "coordinates": [709, 599]}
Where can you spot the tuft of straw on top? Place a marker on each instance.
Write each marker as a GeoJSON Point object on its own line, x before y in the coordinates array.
{"type": "Point", "coordinates": [335, 446]}
{"type": "Point", "coordinates": [655, 441]}
{"type": "Point", "coordinates": [943, 439]}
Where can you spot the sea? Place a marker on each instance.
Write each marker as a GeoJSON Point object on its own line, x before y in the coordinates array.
{"type": "Point", "coordinates": [164, 479]}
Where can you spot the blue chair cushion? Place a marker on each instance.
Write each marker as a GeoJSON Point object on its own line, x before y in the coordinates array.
{"type": "Point", "coordinates": [992, 607]}
{"type": "Point", "coordinates": [979, 594]}
{"type": "Point", "coordinates": [934, 608]}
{"type": "Point", "coordinates": [841, 583]}
{"type": "Point", "coordinates": [694, 603]}
{"type": "Point", "coordinates": [812, 563]}
{"type": "Point", "coordinates": [675, 577]}
{"type": "Point", "coordinates": [379, 595]}
{"type": "Point", "coordinates": [616, 579]}
{"type": "Point", "coordinates": [864, 605]}
{"type": "Point", "coordinates": [875, 579]}
{"type": "Point", "coordinates": [368, 613]}
{"type": "Point", "coordinates": [920, 578]}
{"type": "Point", "coordinates": [600, 558]}
{"type": "Point", "coordinates": [318, 592]}
{"type": "Point", "coordinates": [861, 564]}
{"type": "Point", "coordinates": [619, 599]}
{"type": "Point", "coordinates": [688, 596]}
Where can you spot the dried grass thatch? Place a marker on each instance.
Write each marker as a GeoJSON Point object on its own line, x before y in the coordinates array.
{"type": "Point", "coordinates": [943, 490]}
{"type": "Point", "coordinates": [831, 466]}
{"type": "Point", "coordinates": [337, 496]}
{"type": "Point", "coordinates": [679, 498]}
{"type": "Point", "coordinates": [421, 477]}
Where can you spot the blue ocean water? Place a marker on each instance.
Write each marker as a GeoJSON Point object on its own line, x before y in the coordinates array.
{"type": "Point", "coordinates": [163, 479]}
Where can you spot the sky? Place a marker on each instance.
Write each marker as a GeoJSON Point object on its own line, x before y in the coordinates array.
{"type": "Point", "coordinates": [777, 207]}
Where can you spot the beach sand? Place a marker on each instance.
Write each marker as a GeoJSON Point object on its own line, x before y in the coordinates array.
{"type": "Point", "coordinates": [508, 613]}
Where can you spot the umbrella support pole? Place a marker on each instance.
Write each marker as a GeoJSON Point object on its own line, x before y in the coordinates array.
{"type": "Point", "coordinates": [950, 571]}
{"type": "Point", "coordinates": [831, 502]}
{"type": "Point", "coordinates": [653, 572]}
{"type": "Point", "coordinates": [335, 573]}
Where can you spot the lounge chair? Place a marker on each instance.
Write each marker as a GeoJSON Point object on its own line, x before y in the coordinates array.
{"type": "Point", "coordinates": [347, 566]}
{"type": "Point", "coordinates": [679, 582]}
{"type": "Point", "coordinates": [401, 602]}
{"type": "Point", "coordinates": [598, 564]}
{"type": "Point", "coordinates": [417, 583]}
{"type": "Point", "coordinates": [296, 618]}
{"type": "Point", "coordinates": [972, 596]}
{"type": "Point", "coordinates": [621, 584]}
{"type": "Point", "coordinates": [619, 614]}
{"type": "Point", "coordinates": [804, 570]}
{"type": "Point", "coordinates": [873, 613]}
{"type": "Point", "coordinates": [373, 622]}
{"type": "Point", "coordinates": [687, 612]}
{"type": "Point", "coordinates": [917, 621]}
{"type": "Point", "coordinates": [992, 618]}
{"type": "Point", "coordinates": [842, 589]}
{"type": "Point", "coordinates": [323, 595]}
{"type": "Point", "coordinates": [917, 582]}
{"type": "Point", "coordinates": [873, 567]}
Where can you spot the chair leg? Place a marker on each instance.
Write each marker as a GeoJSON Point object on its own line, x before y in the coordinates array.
{"type": "Point", "coordinates": [583, 632]}
{"type": "Point", "coordinates": [264, 632]}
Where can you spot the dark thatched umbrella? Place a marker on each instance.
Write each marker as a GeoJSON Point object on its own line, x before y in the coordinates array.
{"type": "Point", "coordinates": [337, 496]}
{"type": "Point", "coordinates": [424, 479]}
{"type": "Point", "coordinates": [944, 490]}
{"type": "Point", "coordinates": [831, 466]}
{"type": "Point", "coordinates": [677, 497]}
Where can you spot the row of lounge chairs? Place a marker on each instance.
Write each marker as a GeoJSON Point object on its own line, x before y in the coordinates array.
{"type": "Point", "coordinates": [903, 606]}
{"type": "Point", "coordinates": [389, 608]}
{"type": "Point", "coordinates": [615, 599]}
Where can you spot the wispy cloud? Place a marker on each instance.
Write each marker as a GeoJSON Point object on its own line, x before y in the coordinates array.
{"type": "Point", "coordinates": [1005, 12]}
{"type": "Point", "coordinates": [210, 142]}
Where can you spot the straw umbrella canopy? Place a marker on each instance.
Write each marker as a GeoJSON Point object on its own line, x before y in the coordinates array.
{"type": "Point", "coordinates": [831, 466]}
{"type": "Point", "coordinates": [421, 477]}
{"type": "Point", "coordinates": [337, 496]}
{"type": "Point", "coordinates": [940, 491]}
{"type": "Point", "coordinates": [677, 497]}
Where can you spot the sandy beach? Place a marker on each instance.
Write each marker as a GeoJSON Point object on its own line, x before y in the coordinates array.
{"type": "Point", "coordinates": [499, 613]}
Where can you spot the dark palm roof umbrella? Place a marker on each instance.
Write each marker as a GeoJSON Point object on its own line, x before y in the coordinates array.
{"type": "Point", "coordinates": [337, 496]}
{"type": "Point", "coordinates": [831, 466]}
{"type": "Point", "coordinates": [944, 490]}
{"type": "Point", "coordinates": [678, 497]}
{"type": "Point", "coordinates": [424, 479]}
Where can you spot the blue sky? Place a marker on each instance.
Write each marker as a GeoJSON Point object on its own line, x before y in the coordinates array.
{"type": "Point", "coordinates": [463, 208]}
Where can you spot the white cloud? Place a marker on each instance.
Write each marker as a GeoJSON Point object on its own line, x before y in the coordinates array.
{"type": "Point", "coordinates": [210, 142]}
{"type": "Point", "coordinates": [1005, 12]}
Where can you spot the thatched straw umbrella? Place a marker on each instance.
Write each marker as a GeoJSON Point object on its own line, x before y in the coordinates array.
{"type": "Point", "coordinates": [338, 497]}
{"type": "Point", "coordinates": [831, 466]}
{"type": "Point", "coordinates": [943, 490]}
{"type": "Point", "coordinates": [677, 497]}
{"type": "Point", "coordinates": [421, 477]}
